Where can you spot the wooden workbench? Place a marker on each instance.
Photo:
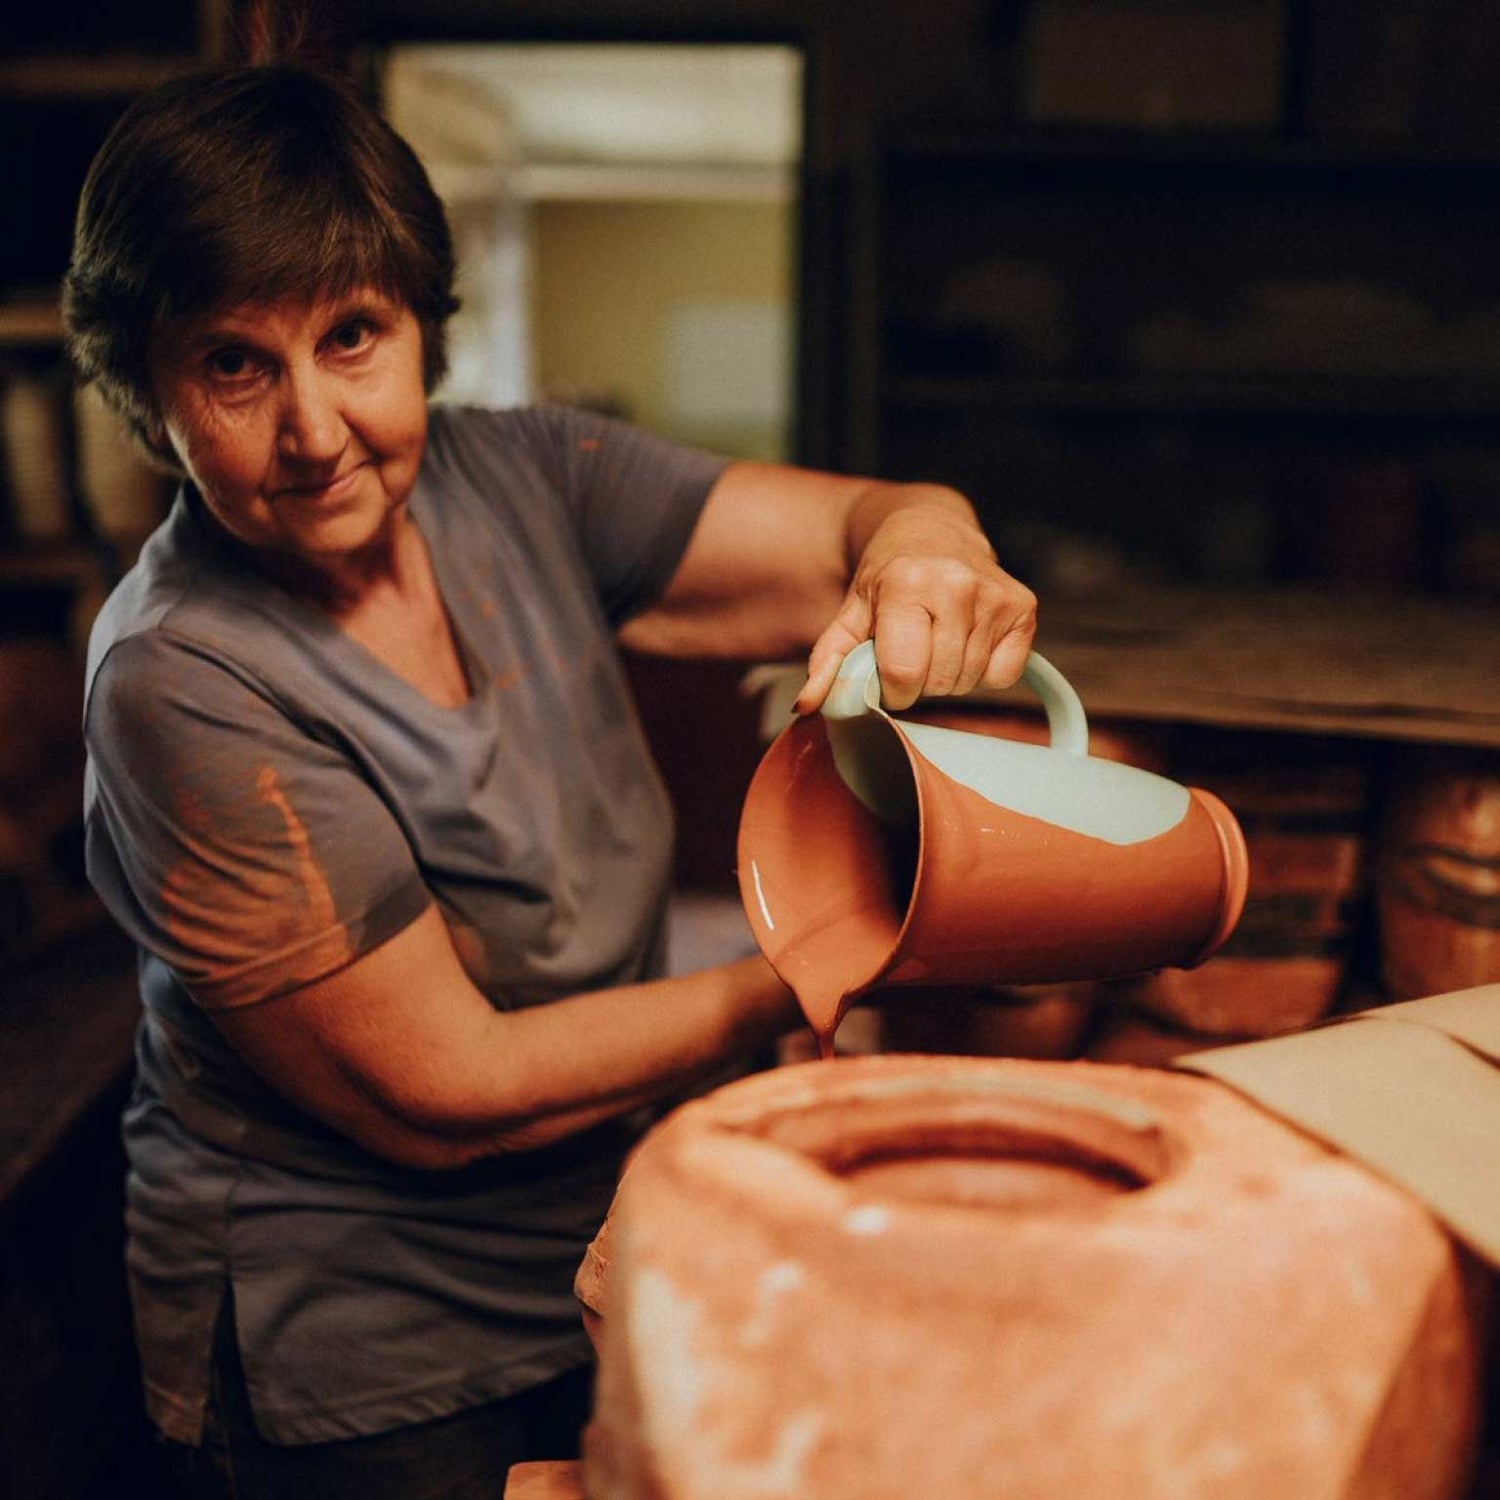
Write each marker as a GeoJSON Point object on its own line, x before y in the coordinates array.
{"type": "Point", "coordinates": [1314, 661]}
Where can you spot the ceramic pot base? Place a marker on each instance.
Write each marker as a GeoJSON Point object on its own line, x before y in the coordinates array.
{"type": "Point", "coordinates": [897, 1276]}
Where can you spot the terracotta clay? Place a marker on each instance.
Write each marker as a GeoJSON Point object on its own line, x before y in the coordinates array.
{"type": "Point", "coordinates": [1041, 1021]}
{"type": "Point", "coordinates": [545, 1480]}
{"type": "Point", "coordinates": [970, 892]}
{"type": "Point", "coordinates": [1127, 1036]}
{"type": "Point", "coordinates": [894, 1277]}
{"type": "Point", "coordinates": [1287, 963]}
{"type": "Point", "coordinates": [1235, 996]}
{"type": "Point", "coordinates": [1304, 821]}
{"type": "Point", "coordinates": [861, 1033]}
{"type": "Point", "coordinates": [1439, 879]}
{"type": "Point", "coordinates": [590, 1280]}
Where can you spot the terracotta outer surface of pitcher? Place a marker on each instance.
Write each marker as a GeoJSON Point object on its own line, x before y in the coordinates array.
{"type": "Point", "coordinates": [875, 851]}
{"type": "Point", "coordinates": [900, 1277]}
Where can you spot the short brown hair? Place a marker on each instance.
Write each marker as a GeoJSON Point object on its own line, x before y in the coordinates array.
{"type": "Point", "coordinates": [244, 185]}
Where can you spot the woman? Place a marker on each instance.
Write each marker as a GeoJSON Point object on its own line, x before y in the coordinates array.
{"type": "Point", "coordinates": [367, 789]}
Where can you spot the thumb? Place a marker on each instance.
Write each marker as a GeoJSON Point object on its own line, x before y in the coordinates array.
{"type": "Point", "coordinates": [848, 628]}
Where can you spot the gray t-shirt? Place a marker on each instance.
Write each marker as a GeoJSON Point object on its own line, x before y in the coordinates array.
{"type": "Point", "coordinates": [267, 801]}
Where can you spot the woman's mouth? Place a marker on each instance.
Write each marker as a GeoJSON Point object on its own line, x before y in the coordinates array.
{"type": "Point", "coordinates": [332, 489]}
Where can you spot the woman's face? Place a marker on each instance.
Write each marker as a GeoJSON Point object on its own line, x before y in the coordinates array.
{"type": "Point", "coordinates": [302, 424]}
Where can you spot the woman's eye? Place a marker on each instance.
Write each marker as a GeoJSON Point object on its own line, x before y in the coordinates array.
{"type": "Point", "coordinates": [354, 334]}
{"type": "Point", "coordinates": [230, 364]}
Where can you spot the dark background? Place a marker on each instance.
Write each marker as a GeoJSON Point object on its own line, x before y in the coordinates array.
{"type": "Point", "coordinates": [1190, 291]}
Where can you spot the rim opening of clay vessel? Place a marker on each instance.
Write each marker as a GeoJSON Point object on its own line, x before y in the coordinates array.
{"type": "Point", "coordinates": [976, 1141]}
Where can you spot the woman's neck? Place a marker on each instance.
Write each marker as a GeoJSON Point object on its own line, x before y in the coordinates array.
{"type": "Point", "coordinates": [336, 583]}
{"type": "Point", "coordinates": [393, 566]}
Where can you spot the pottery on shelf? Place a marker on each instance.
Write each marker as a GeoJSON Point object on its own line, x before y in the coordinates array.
{"type": "Point", "coordinates": [34, 439]}
{"type": "Point", "coordinates": [893, 1277]}
{"type": "Point", "coordinates": [1438, 885]}
{"type": "Point", "coordinates": [125, 496]}
{"type": "Point", "coordinates": [1287, 963]}
{"type": "Point", "coordinates": [1038, 1021]}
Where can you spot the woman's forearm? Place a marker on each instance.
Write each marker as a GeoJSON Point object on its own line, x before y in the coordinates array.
{"type": "Point", "coordinates": [589, 1057]}
{"type": "Point", "coordinates": [400, 1052]}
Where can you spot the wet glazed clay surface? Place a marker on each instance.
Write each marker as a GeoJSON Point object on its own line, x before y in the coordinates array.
{"type": "Point", "coordinates": [897, 1277]}
{"type": "Point", "coordinates": [969, 891]}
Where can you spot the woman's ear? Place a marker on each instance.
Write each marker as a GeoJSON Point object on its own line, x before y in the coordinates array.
{"type": "Point", "coordinates": [158, 446]}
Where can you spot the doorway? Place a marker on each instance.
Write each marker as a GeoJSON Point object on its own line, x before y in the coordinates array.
{"type": "Point", "coordinates": [625, 217]}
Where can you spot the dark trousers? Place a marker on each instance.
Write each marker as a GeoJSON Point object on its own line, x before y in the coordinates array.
{"type": "Point", "coordinates": [463, 1457]}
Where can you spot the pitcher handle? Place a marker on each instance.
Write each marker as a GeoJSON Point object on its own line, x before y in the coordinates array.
{"type": "Point", "coordinates": [856, 690]}
{"type": "Point", "coordinates": [1066, 720]}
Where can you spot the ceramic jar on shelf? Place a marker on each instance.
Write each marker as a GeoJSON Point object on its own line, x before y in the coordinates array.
{"type": "Point", "coordinates": [124, 495]}
{"type": "Point", "coordinates": [1438, 883]}
{"type": "Point", "coordinates": [59, 440]}
{"type": "Point", "coordinates": [34, 430]}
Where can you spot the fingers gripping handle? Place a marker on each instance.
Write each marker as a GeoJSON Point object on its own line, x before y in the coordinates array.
{"type": "Point", "coordinates": [856, 690]}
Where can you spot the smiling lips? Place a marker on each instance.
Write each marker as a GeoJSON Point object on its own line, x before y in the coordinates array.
{"type": "Point", "coordinates": [334, 489]}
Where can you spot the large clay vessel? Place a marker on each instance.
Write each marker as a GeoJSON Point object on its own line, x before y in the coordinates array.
{"type": "Point", "coordinates": [898, 1277]}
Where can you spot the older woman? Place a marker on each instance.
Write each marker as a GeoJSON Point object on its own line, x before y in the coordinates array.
{"type": "Point", "coordinates": [367, 788]}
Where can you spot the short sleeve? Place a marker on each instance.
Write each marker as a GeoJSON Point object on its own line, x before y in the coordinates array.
{"type": "Point", "coordinates": [632, 497]}
{"type": "Point", "coordinates": [244, 851]}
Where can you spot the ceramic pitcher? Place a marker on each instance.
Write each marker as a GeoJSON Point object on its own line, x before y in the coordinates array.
{"type": "Point", "coordinates": [879, 851]}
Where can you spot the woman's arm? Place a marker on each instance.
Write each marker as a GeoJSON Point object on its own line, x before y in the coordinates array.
{"type": "Point", "coordinates": [246, 853]}
{"type": "Point", "coordinates": [785, 560]}
{"type": "Point", "coordinates": [401, 1053]}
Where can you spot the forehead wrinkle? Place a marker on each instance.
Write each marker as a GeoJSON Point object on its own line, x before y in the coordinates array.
{"type": "Point", "coordinates": [245, 322]}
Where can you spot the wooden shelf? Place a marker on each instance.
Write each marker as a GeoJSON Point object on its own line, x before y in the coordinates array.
{"type": "Point", "coordinates": [1269, 398]}
{"type": "Point", "coordinates": [1126, 337]}
{"type": "Point", "coordinates": [65, 563]}
{"type": "Point", "coordinates": [1056, 148]}
{"type": "Point", "coordinates": [74, 76]}
{"type": "Point", "coordinates": [1327, 661]}
{"type": "Point", "coordinates": [30, 325]}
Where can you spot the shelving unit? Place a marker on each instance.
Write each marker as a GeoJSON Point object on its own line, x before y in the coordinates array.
{"type": "Point", "coordinates": [54, 76]}
{"type": "Point", "coordinates": [1285, 399]}
{"type": "Point", "coordinates": [56, 104]}
{"type": "Point", "coordinates": [1130, 336]}
{"type": "Point", "coordinates": [32, 324]}
{"type": "Point", "coordinates": [71, 504]}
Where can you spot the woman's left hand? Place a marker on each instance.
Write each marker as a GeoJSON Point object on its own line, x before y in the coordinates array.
{"type": "Point", "coordinates": [944, 615]}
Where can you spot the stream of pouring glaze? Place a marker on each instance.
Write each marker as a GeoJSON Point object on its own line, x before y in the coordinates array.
{"type": "Point", "coordinates": [877, 852]}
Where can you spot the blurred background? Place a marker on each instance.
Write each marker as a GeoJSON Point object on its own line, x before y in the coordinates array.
{"type": "Point", "coordinates": [1196, 299]}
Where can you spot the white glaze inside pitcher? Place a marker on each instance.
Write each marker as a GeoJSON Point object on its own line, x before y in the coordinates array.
{"type": "Point", "coordinates": [1100, 798]}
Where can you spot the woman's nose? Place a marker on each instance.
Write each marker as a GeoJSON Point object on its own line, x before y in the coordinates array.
{"type": "Point", "coordinates": [312, 427]}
